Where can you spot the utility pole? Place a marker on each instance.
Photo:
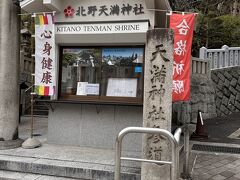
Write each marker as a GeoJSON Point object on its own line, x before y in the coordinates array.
{"type": "Point", "coordinates": [9, 74]}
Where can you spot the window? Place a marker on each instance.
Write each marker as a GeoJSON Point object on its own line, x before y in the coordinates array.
{"type": "Point", "coordinates": [104, 74]}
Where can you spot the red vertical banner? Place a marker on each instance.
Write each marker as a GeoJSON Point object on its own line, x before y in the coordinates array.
{"type": "Point", "coordinates": [182, 25]}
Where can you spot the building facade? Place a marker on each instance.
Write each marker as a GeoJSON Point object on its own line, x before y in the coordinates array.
{"type": "Point", "coordinates": [100, 52]}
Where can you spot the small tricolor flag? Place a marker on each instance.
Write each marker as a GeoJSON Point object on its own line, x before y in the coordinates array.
{"type": "Point", "coordinates": [44, 90]}
{"type": "Point", "coordinates": [45, 70]}
{"type": "Point", "coordinates": [44, 19]}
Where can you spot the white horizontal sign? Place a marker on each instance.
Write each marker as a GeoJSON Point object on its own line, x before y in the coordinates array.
{"type": "Point", "coordinates": [138, 27]}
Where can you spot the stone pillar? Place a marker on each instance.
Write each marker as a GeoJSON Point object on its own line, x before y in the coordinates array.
{"type": "Point", "coordinates": [9, 74]}
{"type": "Point", "coordinates": [157, 108]}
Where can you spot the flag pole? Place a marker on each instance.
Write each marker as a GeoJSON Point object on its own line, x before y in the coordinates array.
{"type": "Point", "coordinates": [33, 14]}
{"type": "Point", "coordinates": [32, 142]}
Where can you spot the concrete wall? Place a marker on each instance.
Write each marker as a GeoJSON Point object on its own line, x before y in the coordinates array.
{"type": "Point", "coordinates": [93, 125]}
{"type": "Point", "coordinates": [227, 85]}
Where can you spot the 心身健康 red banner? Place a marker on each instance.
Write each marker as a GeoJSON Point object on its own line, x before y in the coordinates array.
{"type": "Point", "coordinates": [183, 26]}
{"type": "Point", "coordinates": [45, 75]}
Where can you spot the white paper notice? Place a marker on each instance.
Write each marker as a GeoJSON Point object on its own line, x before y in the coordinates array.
{"type": "Point", "coordinates": [92, 89]}
{"type": "Point", "coordinates": [123, 87]}
{"type": "Point", "coordinates": [82, 88]}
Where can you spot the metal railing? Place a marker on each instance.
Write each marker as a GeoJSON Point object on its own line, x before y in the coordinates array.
{"type": "Point", "coordinates": [174, 141]}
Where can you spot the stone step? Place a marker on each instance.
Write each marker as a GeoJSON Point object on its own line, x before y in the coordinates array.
{"type": "Point", "coordinates": [40, 107]}
{"type": "Point", "coordinates": [40, 112]}
{"type": "Point", "coordinates": [66, 169]}
{"type": "Point", "coordinates": [10, 175]}
{"type": "Point", "coordinates": [39, 116]}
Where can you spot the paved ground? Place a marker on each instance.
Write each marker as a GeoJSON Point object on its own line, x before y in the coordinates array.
{"type": "Point", "coordinates": [219, 166]}
{"type": "Point", "coordinates": [219, 129]}
{"type": "Point", "coordinates": [204, 165]}
{"type": "Point", "coordinates": [216, 167]}
{"type": "Point", "coordinates": [40, 128]}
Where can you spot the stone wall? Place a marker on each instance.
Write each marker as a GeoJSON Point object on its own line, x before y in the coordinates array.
{"type": "Point", "coordinates": [202, 95]}
{"type": "Point", "coordinates": [202, 98]}
{"type": "Point", "coordinates": [215, 94]}
{"type": "Point", "coordinates": [227, 86]}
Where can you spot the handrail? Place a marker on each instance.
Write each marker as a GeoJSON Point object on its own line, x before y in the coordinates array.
{"type": "Point", "coordinates": [183, 129]}
{"type": "Point", "coordinates": [174, 144]}
{"type": "Point", "coordinates": [174, 140]}
{"type": "Point", "coordinates": [177, 134]}
{"type": "Point", "coordinates": [29, 88]}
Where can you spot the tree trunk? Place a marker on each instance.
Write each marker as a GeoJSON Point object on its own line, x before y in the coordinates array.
{"type": "Point", "coordinates": [9, 75]}
{"type": "Point", "coordinates": [235, 8]}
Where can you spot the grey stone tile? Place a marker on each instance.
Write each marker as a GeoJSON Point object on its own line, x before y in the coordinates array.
{"type": "Point", "coordinates": [218, 177]}
{"type": "Point", "coordinates": [217, 170]}
{"type": "Point", "coordinates": [206, 176]}
{"type": "Point", "coordinates": [237, 175]}
{"type": "Point", "coordinates": [233, 170]}
{"type": "Point", "coordinates": [198, 166]}
{"type": "Point", "coordinates": [206, 163]}
{"type": "Point", "coordinates": [227, 174]}
{"type": "Point", "coordinates": [237, 162]}
{"type": "Point", "coordinates": [209, 167]}
{"type": "Point", "coordinates": [225, 161]}
{"type": "Point", "coordinates": [31, 177]}
{"type": "Point", "coordinates": [218, 164]}
{"type": "Point", "coordinates": [230, 166]}
{"type": "Point", "coordinates": [231, 158]}
{"type": "Point", "coordinates": [195, 177]}
{"type": "Point", "coordinates": [214, 171]}
{"type": "Point", "coordinates": [237, 170]}
{"type": "Point", "coordinates": [233, 178]}
{"type": "Point", "coordinates": [201, 177]}
{"type": "Point", "coordinates": [202, 170]}
{"type": "Point", "coordinates": [215, 160]}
